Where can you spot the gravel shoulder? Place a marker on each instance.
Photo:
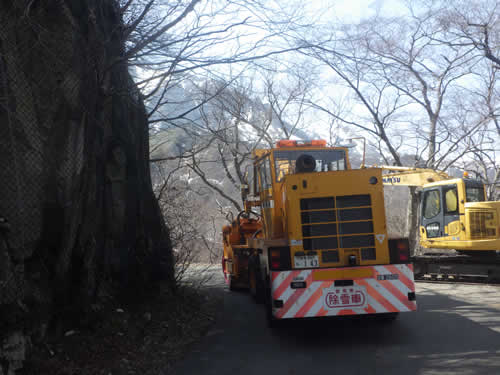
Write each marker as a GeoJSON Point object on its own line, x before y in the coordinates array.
{"type": "Point", "coordinates": [145, 335]}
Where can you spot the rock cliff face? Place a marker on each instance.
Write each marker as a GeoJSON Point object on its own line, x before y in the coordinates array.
{"type": "Point", "coordinates": [74, 173]}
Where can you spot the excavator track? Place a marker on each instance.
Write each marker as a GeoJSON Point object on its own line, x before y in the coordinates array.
{"type": "Point", "coordinates": [443, 268]}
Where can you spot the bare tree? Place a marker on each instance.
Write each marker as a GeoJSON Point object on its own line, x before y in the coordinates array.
{"type": "Point", "coordinates": [288, 97]}
{"type": "Point", "coordinates": [484, 144]}
{"type": "Point", "coordinates": [193, 239]}
{"type": "Point", "coordinates": [405, 88]}
{"type": "Point", "coordinates": [172, 44]}
{"type": "Point", "coordinates": [474, 24]}
{"type": "Point", "coordinates": [186, 58]}
{"type": "Point", "coordinates": [233, 120]}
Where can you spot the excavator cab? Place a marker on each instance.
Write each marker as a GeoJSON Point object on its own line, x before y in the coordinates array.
{"type": "Point", "coordinates": [442, 206]}
{"type": "Point", "coordinates": [454, 212]}
{"type": "Point", "coordinates": [455, 215]}
{"type": "Point", "coordinates": [440, 210]}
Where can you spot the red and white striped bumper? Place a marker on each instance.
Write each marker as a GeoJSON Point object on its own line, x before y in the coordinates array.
{"type": "Point", "coordinates": [385, 289]}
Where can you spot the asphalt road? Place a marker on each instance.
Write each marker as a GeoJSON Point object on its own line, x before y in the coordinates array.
{"type": "Point", "coordinates": [456, 330]}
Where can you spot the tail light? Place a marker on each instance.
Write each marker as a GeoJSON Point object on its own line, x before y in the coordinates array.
{"type": "Point", "coordinates": [279, 258]}
{"type": "Point", "coordinates": [275, 259]}
{"type": "Point", "coordinates": [399, 250]}
{"type": "Point", "coordinates": [403, 251]}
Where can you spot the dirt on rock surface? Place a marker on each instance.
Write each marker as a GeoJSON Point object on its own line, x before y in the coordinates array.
{"type": "Point", "coordinates": [145, 335]}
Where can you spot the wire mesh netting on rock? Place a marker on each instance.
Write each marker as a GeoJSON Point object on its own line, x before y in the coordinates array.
{"type": "Point", "coordinates": [74, 173]}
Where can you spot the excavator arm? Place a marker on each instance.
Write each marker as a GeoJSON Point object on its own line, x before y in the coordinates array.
{"type": "Point", "coordinates": [407, 176]}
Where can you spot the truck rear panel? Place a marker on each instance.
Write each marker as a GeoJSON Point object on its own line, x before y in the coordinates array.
{"type": "Point", "coordinates": [335, 216]}
{"type": "Point", "coordinates": [342, 291]}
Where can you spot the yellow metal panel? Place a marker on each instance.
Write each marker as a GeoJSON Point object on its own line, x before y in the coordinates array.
{"type": "Point", "coordinates": [471, 245]}
{"type": "Point", "coordinates": [334, 184]}
{"type": "Point", "coordinates": [358, 273]}
{"type": "Point", "coordinates": [453, 228]}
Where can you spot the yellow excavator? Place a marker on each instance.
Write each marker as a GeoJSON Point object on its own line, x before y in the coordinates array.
{"type": "Point", "coordinates": [454, 214]}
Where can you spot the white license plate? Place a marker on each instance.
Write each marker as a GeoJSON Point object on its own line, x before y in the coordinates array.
{"type": "Point", "coordinates": [306, 261]}
{"type": "Point", "coordinates": [344, 297]}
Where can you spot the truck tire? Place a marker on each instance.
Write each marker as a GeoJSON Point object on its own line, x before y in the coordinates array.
{"type": "Point", "coordinates": [272, 322]}
{"type": "Point", "coordinates": [388, 317]}
{"type": "Point", "coordinates": [231, 283]}
{"type": "Point", "coordinates": [255, 281]}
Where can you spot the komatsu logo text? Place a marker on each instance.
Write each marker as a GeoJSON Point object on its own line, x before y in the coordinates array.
{"type": "Point", "coordinates": [391, 180]}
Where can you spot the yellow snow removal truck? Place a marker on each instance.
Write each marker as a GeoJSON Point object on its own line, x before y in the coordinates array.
{"type": "Point", "coordinates": [312, 240]}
